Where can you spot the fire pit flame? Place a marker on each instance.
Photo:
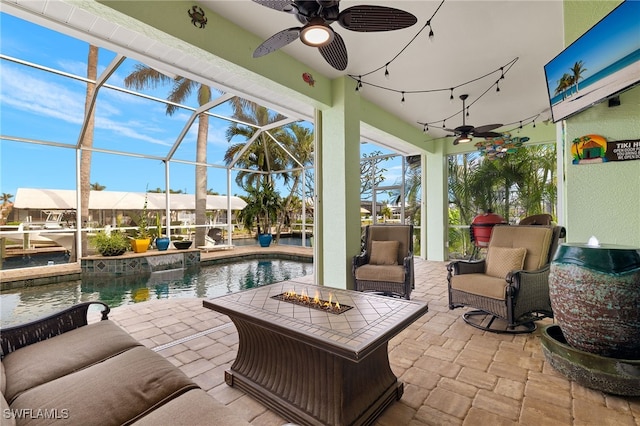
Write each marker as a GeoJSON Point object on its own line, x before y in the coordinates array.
{"type": "Point", "coordinates": [316, 303]}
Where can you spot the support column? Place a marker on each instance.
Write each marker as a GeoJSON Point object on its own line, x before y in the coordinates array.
{"type": "Point", "coordinates": [435, 193]}
{"type": "Point", "coordinates": [338, 204]}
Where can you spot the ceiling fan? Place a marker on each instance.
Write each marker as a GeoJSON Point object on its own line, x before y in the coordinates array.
{"type": "Point", "coordinates": [465, 132]}
{"type": "Point", "coordinates": [317, 16]}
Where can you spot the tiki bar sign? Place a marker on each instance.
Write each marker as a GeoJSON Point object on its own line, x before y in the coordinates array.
{"type": "Point", "coordinates": [591, 149]}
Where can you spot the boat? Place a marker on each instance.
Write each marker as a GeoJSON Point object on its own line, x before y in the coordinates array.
{"type": "Point", "coordinates": [40, 233]}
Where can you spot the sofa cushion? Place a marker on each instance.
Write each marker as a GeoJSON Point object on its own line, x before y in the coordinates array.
{"type": "Point", "coordinates": [388, 273]}
{"type": "Point", "coordinates": [192, 408]}
{"type": "Point", "coordinates": [111, 392]}
{"type": "Point", "coordinates": [5, 413]}
{"type": "Point", "coordinates": [3, 379]}
{"type": "Point", "coordinates": [502, 260]}
{"type": "Point", "coordinates": [384, 252]}
{"type": "Point", "coordinates": [49, 359]}
{"type": "Point", "coordinates": [481, 285]}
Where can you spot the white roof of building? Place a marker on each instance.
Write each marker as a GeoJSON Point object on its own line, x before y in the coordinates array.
{"type": "Point", "coordinates": [65, 199]}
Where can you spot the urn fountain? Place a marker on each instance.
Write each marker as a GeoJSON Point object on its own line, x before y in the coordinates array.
{"type": "Point", "coordinates": [595, 296]}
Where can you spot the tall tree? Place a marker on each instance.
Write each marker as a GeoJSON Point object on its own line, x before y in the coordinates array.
{"type": "Point", "coordinates": [263, 156]}
{"type": "Point", "coordinates": [147, 77]}
{"type": "Point", "coordinates": [577, 69]}
{"type": "Point", "coordinates": [86, 145]}
{"type": "Point", "coordinates": [6, 198]}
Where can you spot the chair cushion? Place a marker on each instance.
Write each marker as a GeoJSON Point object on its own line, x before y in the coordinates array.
{"type": "Point", "coordinates": [536, 239]}
{"type": "Point", "coordinates": [502, 260]}
{"type": "Point", "coordinates": [384, 252]}
{"type": "Point", "coordinates": [387, 273]}
{"type": "Point", "coordinates": [481, 285]}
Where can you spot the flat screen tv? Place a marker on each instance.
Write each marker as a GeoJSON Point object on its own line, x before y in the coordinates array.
{"type": "Point", "coordinates": [600, 64]}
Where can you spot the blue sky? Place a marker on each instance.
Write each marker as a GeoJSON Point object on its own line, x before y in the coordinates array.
{"type": "Point", "coordinates": [40, 105]}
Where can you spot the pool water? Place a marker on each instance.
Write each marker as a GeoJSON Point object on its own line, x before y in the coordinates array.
{"type": "Point", "coordinates": [27, 304]}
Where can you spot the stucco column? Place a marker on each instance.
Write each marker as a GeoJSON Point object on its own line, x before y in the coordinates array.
{"type": "Point", "coordinates": [338, 206]}
{"type": "Point", "coordinates": [434, 188]}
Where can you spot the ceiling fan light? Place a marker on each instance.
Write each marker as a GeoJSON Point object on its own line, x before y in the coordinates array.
{"type": "Point", "coordinates": [464, 138]}
{"type": "Point", "coordinates": [316, 34]}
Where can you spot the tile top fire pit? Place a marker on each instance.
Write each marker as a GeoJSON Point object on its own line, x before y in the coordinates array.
{"type": "Point", "coordinates": [339, 335]}
{"type": "Point", "coordinates": [371, 321]}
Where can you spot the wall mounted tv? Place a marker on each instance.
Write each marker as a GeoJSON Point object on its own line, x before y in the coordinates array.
{"type": "Point", "coordinates": [603, 62]}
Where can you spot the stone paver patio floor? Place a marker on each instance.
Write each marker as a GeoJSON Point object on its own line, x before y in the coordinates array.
{"type": "Point", "coordinates": [453, 373]}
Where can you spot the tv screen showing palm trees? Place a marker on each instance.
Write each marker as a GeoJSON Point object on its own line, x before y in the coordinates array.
{"type": "Point", "coordinates": [603, 62]}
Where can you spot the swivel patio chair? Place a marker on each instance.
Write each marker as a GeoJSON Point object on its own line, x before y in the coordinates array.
{"type": "Point", "coordinates": [386, 262]}
{"type": "Point", "coordinates": [510, 288]}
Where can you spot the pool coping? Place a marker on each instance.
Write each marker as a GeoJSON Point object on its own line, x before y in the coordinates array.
{"type": "Point", "coordinates": [12, 279]}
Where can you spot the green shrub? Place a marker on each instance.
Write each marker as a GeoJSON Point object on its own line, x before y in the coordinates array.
{"type": "Point", "coordinates": [111, 245]}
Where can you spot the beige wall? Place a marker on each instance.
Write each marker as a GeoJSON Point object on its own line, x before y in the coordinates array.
{"type": "Point", "coordinates": [601, 199]}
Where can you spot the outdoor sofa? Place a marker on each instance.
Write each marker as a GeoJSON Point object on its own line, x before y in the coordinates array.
{"type": "Point", "coordinates": [62, 370]}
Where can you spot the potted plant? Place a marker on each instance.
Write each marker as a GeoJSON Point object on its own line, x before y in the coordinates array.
{"type": "Point", "coordinates": [113, 243]}
{"type": "Point", "coordinates": [263, 204]}
{"type": "Point", "coordinates": [140, 243]}
{"type": "Point", "coordinates": [162, 243]}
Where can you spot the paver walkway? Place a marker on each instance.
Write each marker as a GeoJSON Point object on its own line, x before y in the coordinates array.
{"type": "Point", "coordinates": [453, 373]}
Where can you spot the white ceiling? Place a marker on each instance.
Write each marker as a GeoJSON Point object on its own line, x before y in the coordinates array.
{"type": "Point", "coordinates": [472, 38]}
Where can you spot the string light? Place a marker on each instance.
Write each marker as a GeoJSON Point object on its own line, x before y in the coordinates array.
{"type": "Point", "coordinates": [402, 101]}
{"type": "Point", "coordinates": [498, 86]}
{"type": "Point", "coordinates": [431, 34]}
{"type": "Point", "coordinates": [443, 121]}
{"type": "Point", "coordinates": [467, 111]}
{"type": "Point", "coordinates": [502, 73]}
{"type": "Point", "coordinates": [386, 71]}
{"type": "Point", "coordinates": [451, 95]}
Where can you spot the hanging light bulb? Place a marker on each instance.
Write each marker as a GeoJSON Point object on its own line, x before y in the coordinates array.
{"type": "Point", "coordinates": [386, 71]}
{"type": "Point", "coordinates": [431, 34]}
{"type": "Point", "coordinates": [534, 123]}
{"type": "Point", "coordinates": [451, 95]}
{"type": "Point", "coordinates": [424, 128]}
{"type": "Point", "coordinates": [498, 86]}
{"type": "Point", "coordinates": [443, 121]}
{"type": "Point", "coordinates": [467, 111]}
{"type": "Point", "coordinates": [402, 101]}
{"type": "Point", "coordinates": [502, 73]}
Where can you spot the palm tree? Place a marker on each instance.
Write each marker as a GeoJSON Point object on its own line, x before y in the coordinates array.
{"type": "Point", "coordinates": [563, 84]}
{"type": "Point", "coordinates": [263, 155]}
{"type": "Point", "coordinates": [97, 187]}
{"type": "Point", "coordinates": [6, 198]}
{"type": "Point", "coordinates": [147, 77]}
{"type": "Point", "coordinates": [299, 143]}
{"type": "Point", "coordinates": [87, 144]}
{"type": "Point", "coordinates": [578, 69]}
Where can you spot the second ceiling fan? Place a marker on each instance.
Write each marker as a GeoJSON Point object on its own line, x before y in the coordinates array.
{"type": "Point", "coordinates": [465, 132]}
{"type": "Point", "coordinates": [317, 17]}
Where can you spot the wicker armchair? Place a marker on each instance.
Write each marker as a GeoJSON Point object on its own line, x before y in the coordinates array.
{"type": "Point", "coordinates": [386, 262]}
{"type": "Point", "coordinates": [511, 284]}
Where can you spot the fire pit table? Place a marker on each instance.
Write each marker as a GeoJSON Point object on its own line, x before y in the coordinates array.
{"type": "Point", "coordinates": [316, 355]}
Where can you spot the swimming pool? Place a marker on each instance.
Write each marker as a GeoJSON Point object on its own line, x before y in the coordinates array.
{"type": "Point", "coordinates": [26, 304]}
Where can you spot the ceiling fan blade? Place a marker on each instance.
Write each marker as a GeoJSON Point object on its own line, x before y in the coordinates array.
{"type": "Point", "coordinates": [487, 134]}
{"type": "Point", "coordinates": [464, 129]}
{"type": "Point", "coordinates": [369, 18]}
{"type": "Point", "coordinates": [281, 5]}
{"type": "Point", "coordinates": [486, 128]}
{"type": "Point", "coordinates": [335, 53]}
{"type": "Point", "coordinates": [450, 130]}
{"type": "Point", "coordinates": [277, 41]}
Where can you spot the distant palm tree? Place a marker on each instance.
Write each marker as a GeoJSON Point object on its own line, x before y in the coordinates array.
{"type": "Point", "coordinates": [578, 69]}
{"type": "Point", "coordinates": [6, 198]}
{"type": "Point", "coordinates": [564, 83]}
{"type": "Point", "coordinates": [97, 187]}
{"type": "Point", "coordinates": [263, 155]}
{"type": "Point", "coordinates": [143, 77]}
